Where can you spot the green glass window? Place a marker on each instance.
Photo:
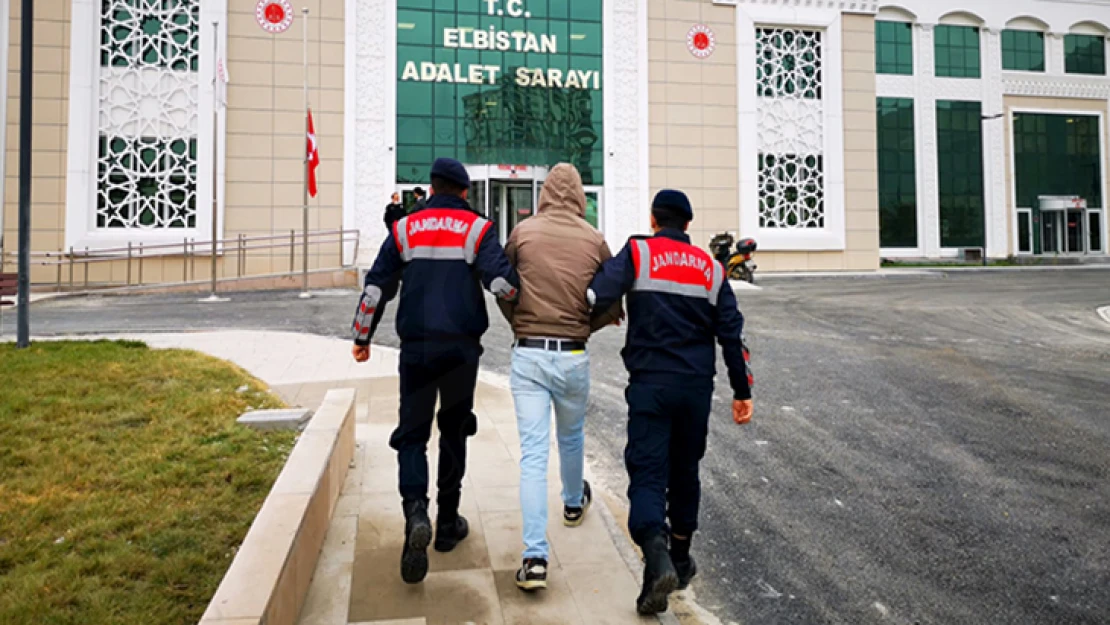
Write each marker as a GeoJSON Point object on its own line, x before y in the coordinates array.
{"type": "Point", "coordinates": [1023, 50]}
{"type": "Point", "coordinates": [894, 48]}
{"type": "Point", "coordinates": [1085, 54]}
{"type": "Point", "coordinates": [897, 173]}
{"type": "Point", "coordinates": [1056, 155]}
{"type": "Point", "coordinates": [960, 172]}
{"type": "Point", "coordinates": [487, 86]}
{"type": "Point", "coordinates": [957, 51]}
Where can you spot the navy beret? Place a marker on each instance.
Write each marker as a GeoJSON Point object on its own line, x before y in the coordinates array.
{"type": "Point", "coordinates": [674, 200]}
{"type": "Point", "coordinates": [451, 170]}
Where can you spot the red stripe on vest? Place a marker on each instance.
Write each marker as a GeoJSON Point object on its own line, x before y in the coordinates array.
{"type": "Point", "coordinates": [439, 228]}
{"type": "Point", "coordinates": [678, 262]}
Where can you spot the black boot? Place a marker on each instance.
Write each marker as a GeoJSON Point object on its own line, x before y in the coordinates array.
{"type": "Point", "coordinates": [686, 570]}
{"type": "Point", "coordinates": [418, 533]}
{"type": "Point", "coordinates": [660, 578]}
{"type": "Point", "coordinates": [450, 531]}
{"type": "Point", "coordinates": [683, 562]}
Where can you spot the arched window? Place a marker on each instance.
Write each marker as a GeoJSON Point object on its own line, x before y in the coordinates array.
{"type": "Point", "coordinates": [1085, 49]}
{"type": "Point", "coordinates": [956, 42]}
{"type": "Point", "coordinates": [894, 41]}
{"type": "Point", "coordinates": [1023, 45]}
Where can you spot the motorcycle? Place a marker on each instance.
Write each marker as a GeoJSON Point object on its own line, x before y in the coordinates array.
{"type": "Point", "coordinates": [739, 264]}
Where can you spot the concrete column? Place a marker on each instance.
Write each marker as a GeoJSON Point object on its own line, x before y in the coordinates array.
{"type": "Point", "coordinates": [925, 121]}
{"type": "Point", "coordinates": [996, 217]}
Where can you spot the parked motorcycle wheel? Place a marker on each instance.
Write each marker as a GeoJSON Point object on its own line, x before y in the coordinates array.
{"type": "Point", "coordinates": [741, 272]}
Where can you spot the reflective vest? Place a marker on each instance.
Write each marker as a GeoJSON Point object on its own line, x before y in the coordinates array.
{"type": "Point", "coordinates": [667, 266]}
{"type": "Point", "coordinates": [440, 234]}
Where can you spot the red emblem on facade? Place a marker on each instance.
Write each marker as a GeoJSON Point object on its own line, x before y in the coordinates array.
{"type": "Point", "coordinates": [700, 41]}
{"type": "Point", "coordinates": [274, 16]}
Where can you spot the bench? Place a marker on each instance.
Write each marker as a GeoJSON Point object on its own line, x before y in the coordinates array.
{"type": "Point", "coordinates": [9, 287]}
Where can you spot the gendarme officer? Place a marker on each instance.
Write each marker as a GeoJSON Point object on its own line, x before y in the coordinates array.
{"type": "Point", "coordinates": [439, 257]}
{"type": "Point", "coordinates": [679, 304]}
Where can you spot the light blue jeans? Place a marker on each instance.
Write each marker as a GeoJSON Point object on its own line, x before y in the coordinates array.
{"type": "Point", "coordinates": [540, 379]}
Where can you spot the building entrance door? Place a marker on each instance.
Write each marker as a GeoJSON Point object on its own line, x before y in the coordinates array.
{"type": "Point", "coordinates": [513, 202]}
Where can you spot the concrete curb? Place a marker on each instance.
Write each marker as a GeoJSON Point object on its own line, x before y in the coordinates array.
{"type": "Point", "coordinates": [1104, 312]}
{"type": "Point", "coordinates": [269, 578]}
{"type": "Point", "coordinates": [881, 274]}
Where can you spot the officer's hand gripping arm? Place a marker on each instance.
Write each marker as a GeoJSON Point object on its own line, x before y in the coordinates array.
{"type": "Point", "coordinates": [613, 280]}
{"type": "Point", "coordinates": [507, 308]}
{"type": "Point", "coordinates": [498, 275]}
{"type": "Point", "coordinates": [730, 334]}
{"type": "Point", "coordinates": [603, 317]}
{"type": "Point", "coordinates": [380, 287]}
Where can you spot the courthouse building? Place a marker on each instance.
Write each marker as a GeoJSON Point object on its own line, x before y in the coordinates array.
{"type": "Point", "coordinates": [835, 132]}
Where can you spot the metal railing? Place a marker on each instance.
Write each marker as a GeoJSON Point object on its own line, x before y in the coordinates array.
{"type": "Point", "coordinates": [72, 266]}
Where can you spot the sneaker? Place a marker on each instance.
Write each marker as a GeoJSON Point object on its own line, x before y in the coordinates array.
{"type": "Point", "coordinates": [418, 533]}
{"type": "Point", "coordinates": [533, 575]}
{"type": "Point", "coordinates": [686, 570]}
{"type": "Point", "coordinates": [449, 534]}
{"type": "Point", "coordinates": [660, 578]}
{"type": "Point", "coordinates": [573, 517]}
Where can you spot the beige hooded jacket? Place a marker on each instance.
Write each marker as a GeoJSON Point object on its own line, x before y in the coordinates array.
{"type": "Point", "coordinates": [557, 253]}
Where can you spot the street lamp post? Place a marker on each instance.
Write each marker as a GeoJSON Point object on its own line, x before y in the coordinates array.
{"type": "Point", "coordinates": [23, 322]}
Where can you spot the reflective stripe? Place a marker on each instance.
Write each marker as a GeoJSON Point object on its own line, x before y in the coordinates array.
{"type": "Point", "coordinates": [437, 253]}
{"type": "Point", "coordinates": [403, 239]}
{"type": "Point", "coordinates": [718, 282]}
{"type": "Point", "coordinates": [643, 259]}
{"type": "Point", "coordinates": [368, 304]}
{"type": "Point", "coordinates": [502, 289]}
{"type": "Point", "coordinates": [474, 239]}
{"type": "Point", "coordinates": [373, 295]}
{"type": "Point", "coordinates": [671, 288]}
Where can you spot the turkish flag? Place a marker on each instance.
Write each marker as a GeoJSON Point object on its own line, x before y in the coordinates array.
{"type": "Point", "coordinates": [313, 155]}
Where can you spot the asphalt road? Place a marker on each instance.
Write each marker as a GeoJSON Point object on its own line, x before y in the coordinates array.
{"type": "Point", "coordinates": [927, 450]}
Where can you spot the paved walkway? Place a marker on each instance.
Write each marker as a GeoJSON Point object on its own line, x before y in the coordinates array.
{"type": "Point", "coordinates": [357, 579]}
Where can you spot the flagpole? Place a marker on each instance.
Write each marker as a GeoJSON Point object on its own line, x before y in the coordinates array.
{"type": "Point", "coordinates": [307, 157]}
{"type": "Point", "coordinates": [213, 297]}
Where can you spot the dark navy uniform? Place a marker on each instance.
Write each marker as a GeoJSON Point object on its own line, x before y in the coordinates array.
{"type": "Point", "coordinates": [679, 305]}
{"type": "Point", "coordinates": [440, 258]}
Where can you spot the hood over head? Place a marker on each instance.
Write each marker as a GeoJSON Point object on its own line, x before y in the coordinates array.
{"type": "Point", "coordinates": [563, 192]}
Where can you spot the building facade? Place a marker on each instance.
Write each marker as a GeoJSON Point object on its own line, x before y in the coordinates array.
{"type": "Point", "coordinates": [835, 132]}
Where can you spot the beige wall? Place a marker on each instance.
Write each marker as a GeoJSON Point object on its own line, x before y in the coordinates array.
{"type": "Point", "coordinates": [694, 131]}
{"type": "Point", "coordinates": [1050, 104]}
{"type": "Point", "coordinates": [693, 115]}
{"type": "Point", "coordinates": [265, 139]}
{"type": "Point", "coordinates": [48, 135]}
{"type": "Point", "coordinates": [265, 122]}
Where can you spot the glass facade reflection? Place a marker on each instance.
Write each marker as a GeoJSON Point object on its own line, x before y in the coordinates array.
{"type": "Point", "coordinates": [499, 82]}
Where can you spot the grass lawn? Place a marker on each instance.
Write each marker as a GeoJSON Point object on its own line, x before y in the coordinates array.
{"type": "Point", "coordinates": [125, 483]}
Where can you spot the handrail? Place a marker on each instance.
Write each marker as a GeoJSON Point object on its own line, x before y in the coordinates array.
{"type": "Point", "coordinates": [189, 249]}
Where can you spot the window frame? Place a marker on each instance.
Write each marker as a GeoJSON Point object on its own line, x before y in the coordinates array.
{"type": "Point", "coordinates": [949, 48]}
{"type": "Point", "coordinates": [947, 188]}
{"type": "Point", "coordinates": [1022, 31]}
{"type": "Point", "coordinates": [900, 106]}
{"type": "Point", "coordinates": [1073, 58]}
{"type": "Point", "coordinates": [1101, 230]}
{"type": "Point", "coordinates": [1027, 213]}
{"type": "Point", "coordinates": [879, 64]}
{"type": "Point", "coordinates": [81, 186]}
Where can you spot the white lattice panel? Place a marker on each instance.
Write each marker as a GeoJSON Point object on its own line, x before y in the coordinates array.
{"type": "Point", "coordinates": [147, 123]}
{"type": "Point", "coordinates": [791, 128]}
